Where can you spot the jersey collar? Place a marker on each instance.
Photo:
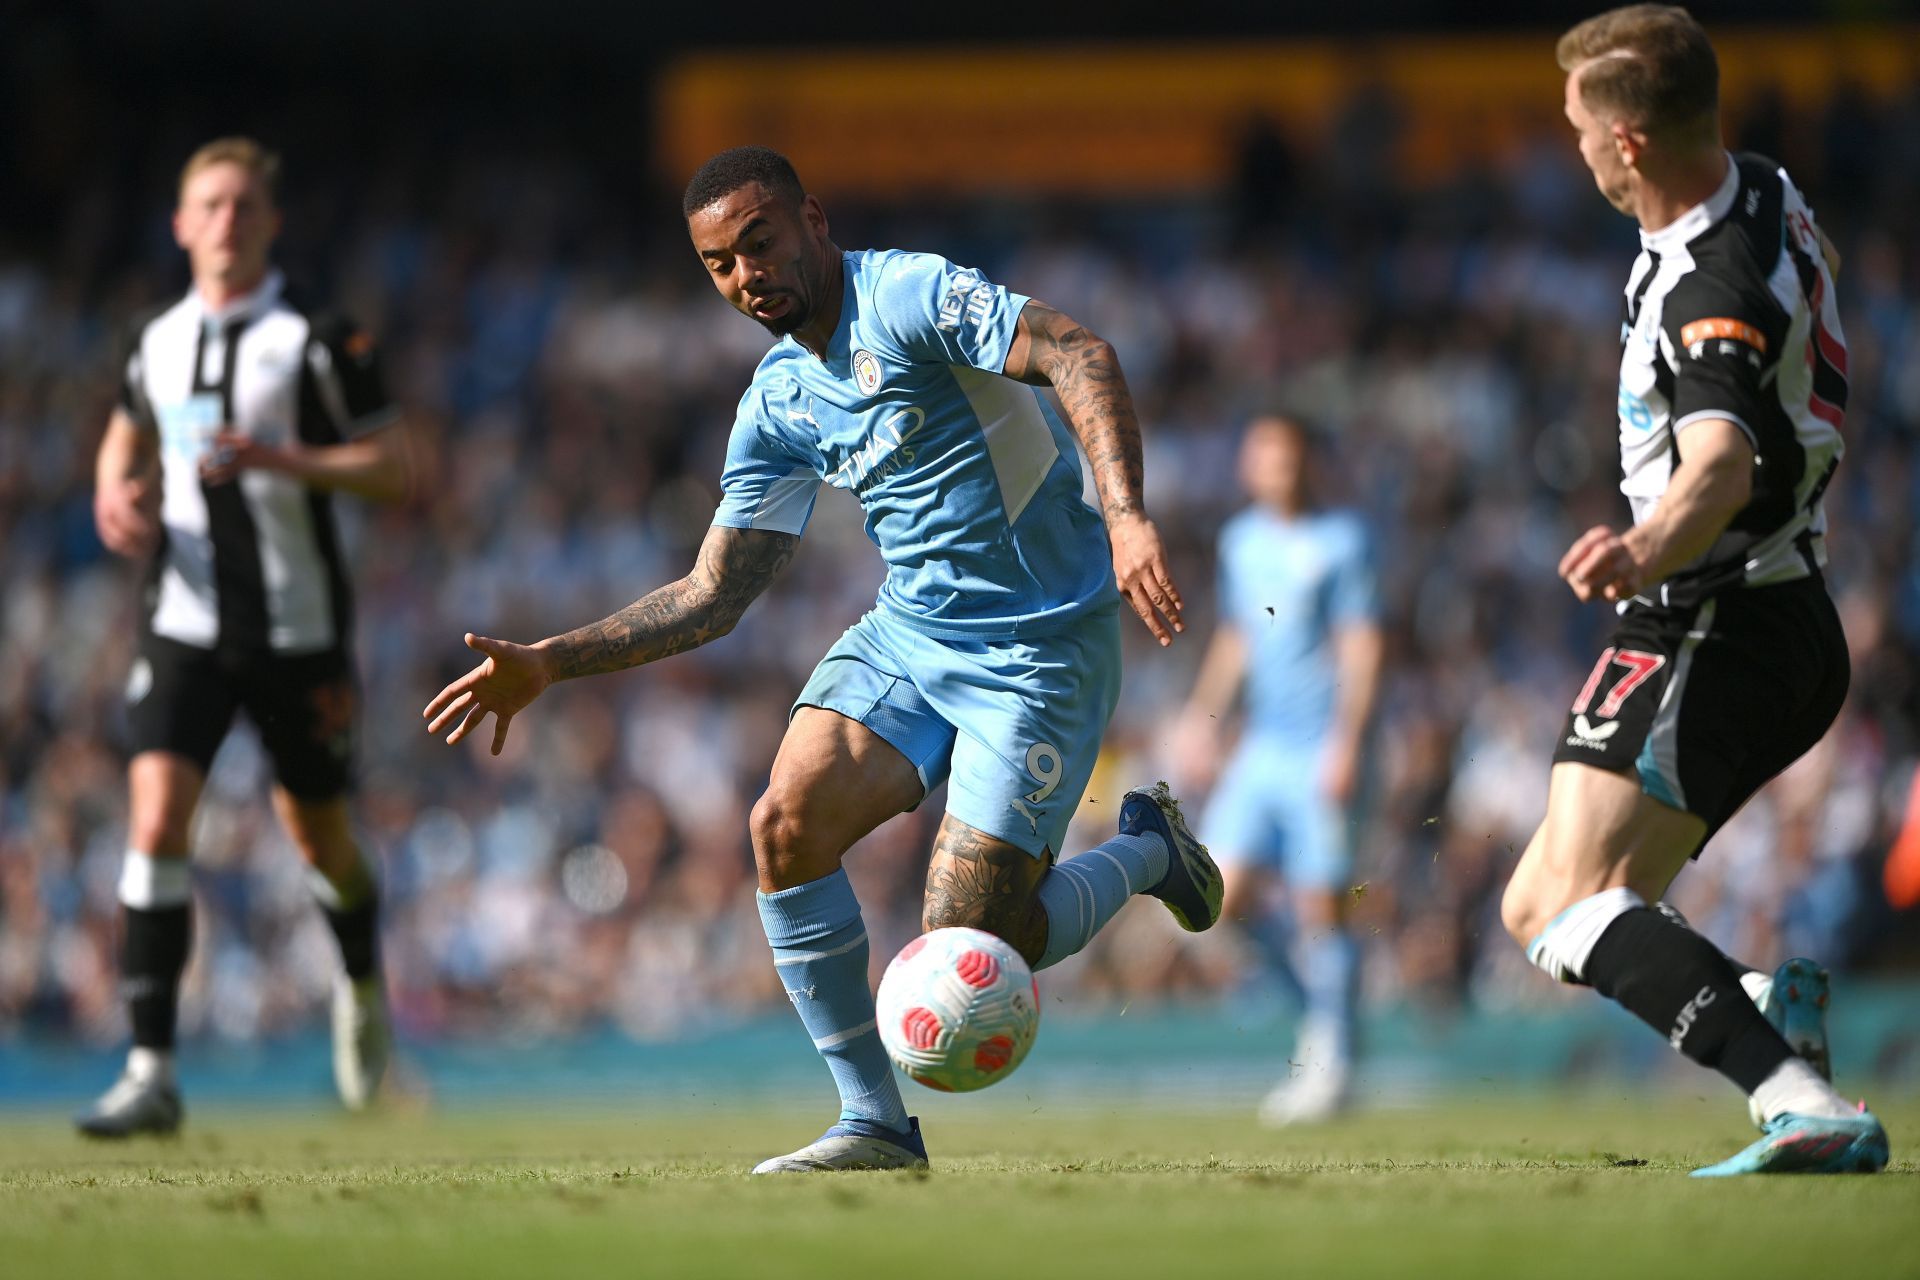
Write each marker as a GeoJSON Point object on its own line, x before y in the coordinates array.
{"type": "Point", "coordinates": [246, 306]}
{"type": "Point", "coordinates": [1697, 219]}
{"type": "Point", "coordinates": [840, 345]}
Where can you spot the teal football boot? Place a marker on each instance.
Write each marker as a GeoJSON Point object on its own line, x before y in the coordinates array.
{"type": "Point", "coordinates": [1810, 1144]}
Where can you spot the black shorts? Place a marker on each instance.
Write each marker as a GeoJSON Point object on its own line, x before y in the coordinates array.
{"type": "Point", "coordinates": [306, 706]}
{"type": "Point", "coordinates": [1709, 701]}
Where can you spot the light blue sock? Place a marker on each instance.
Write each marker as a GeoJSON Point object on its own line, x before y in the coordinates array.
{"type": "Point", "coordinates": [820, 952]}
{"type": "Point", "coordinates": [1081, 894]}
{"type": "Point", "coordinates": [1330, 974]}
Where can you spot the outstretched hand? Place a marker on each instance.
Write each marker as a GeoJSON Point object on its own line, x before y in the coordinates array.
{"type": "Point", "coordinates": [511, 676]}
{"type": "Point", "coordinates": [1140, 570]}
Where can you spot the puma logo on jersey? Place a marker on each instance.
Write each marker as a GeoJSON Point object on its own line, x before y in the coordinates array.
{"type": "Point", "coordinates": [1031, 815]}
{"type": "Point", "coordinates": [1588, 734]}
{"type": "Point", "coordinates": [804, 415]}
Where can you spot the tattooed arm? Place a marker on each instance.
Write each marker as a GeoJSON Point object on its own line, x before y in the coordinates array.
{"type": "Point", "coordinates": [1052, 349]}
{"type": "Point", "coordinates": [733, 568]}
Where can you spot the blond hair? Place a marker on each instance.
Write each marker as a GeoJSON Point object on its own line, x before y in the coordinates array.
{"type": "Point", "coordinates": [1650, 66]}
{"type": "Point", "coordinates": [263, 164]}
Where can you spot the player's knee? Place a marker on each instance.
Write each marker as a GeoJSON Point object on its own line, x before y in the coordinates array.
{"type": "Point", "coordinates": [1537, 894]}
{"type": "Point", "coordinates": [1520, 911]}
{"type": "Point", "coordinates": [161, 827]}
{"type": "Point", "coordinates": [1318, 909]}
{"type": "Point", "coordinates": [1542, 884]}
{"type": "Point", "coordinates": [338, 860]}
{"type": "Point", "coordinates": [773, 828]}
{"type": "Point", "coordinates": [1244, 895]}
{"type": "Point", "coordinates": [784, 847]}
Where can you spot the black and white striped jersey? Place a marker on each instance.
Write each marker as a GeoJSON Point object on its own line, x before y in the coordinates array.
{"type": "Point", "coordinates": [1731, 314]}
{"type": "Point", "coordinates": [253, 564]}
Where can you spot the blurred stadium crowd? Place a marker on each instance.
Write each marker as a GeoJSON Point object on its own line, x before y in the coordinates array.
{"type": "Point", "coordinates": [569, 379]}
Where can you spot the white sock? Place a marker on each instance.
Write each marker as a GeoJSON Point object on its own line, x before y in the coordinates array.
{"type": "Point", "coordinates": [1794, 1086]}
{"type": "Point", "coordinates": [150, 1066]}
{"type": "Point", "coordinates": [1758, 986]}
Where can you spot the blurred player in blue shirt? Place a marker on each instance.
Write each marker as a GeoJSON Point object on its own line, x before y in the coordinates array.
{"type": "Point", "coordinates": [992, 657]}
{"type": "Point", "coordinates": [1299, 635]}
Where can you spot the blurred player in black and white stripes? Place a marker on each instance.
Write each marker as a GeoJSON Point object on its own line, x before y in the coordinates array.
{"type": "Point", "coordinates": [1728, 662]}
{"type": "Point", "coordinates": [242, 412]}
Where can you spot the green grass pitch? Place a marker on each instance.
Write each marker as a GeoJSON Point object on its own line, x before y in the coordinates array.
{"type": "Point", "coordinates": [1535, 1186]}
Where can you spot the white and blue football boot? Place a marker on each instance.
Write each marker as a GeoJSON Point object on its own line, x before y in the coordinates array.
{"type": "Point", "coordinates": [1795, 1001]}
{"type": "Point", "coordinates": [362, 1039]}
{"type": "Point", "coordinates": [133, 1106]}
{"type": "Point", "coordinates": [1810, 1144]}
{"type": "Point", "coordinates": [1192, 888]}
{"type": "Point", "coordinates": [855, 1144]}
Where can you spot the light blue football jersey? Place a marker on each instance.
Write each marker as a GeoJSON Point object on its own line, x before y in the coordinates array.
{"type": "Point", "coordinates": [969, 482]}
{"type": "Point", "coordinates": [1288, 585]}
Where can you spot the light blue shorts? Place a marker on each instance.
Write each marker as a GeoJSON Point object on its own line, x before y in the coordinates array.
{"type": "Point", "coordinates": [1015, 724]}
{"type": "Point", "coordinates": [1268, 812]}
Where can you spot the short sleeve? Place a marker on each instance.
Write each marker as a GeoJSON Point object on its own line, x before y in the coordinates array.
{"type": "Point", "coordinates": [1226, 582]}
{"type": "Point", "coordinates": [939, 311]}
{"type": "Point", "coordinates": [346, 364]}
{"type": "Point", "coordinates": [1356, 580]}
{"type": "Point", "coordinates": [768, 482]}
{"type": "Point", "coordinates": [133, 381]}
{"type": "Point", "coordinates": [1722, 349]}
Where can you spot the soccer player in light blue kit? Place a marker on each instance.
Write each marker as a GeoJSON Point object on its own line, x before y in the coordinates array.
{"type": "Point", "coordinates": [1299, 631]}
{"type": "Point", "coordinates": [992, 656]}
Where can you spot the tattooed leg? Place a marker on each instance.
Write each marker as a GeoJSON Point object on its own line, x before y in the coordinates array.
{"type": "Point", "coordinates": [984, 883]}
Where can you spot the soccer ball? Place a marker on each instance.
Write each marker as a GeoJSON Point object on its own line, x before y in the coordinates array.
{"type": "Point", "coordinates": [958, 1009]}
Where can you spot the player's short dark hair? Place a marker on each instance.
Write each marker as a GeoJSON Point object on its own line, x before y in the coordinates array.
{"type": "Point", "coordinates": [1649, 65]}
{"type": "Point", "coordinates": [740, 167]}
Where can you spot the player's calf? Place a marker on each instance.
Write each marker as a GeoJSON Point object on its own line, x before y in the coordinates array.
{"type": "Point", "coordinates": [978, 882]}
{"type": "Point", "coordinates": [1683, 987]}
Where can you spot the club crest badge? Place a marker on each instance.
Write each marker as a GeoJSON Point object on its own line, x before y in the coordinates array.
{"type": "Point", "coordinates": [866, 371]}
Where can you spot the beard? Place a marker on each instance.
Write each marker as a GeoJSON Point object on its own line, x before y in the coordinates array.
{"type": "Point", "coordinates": [800, 309]}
